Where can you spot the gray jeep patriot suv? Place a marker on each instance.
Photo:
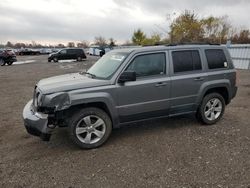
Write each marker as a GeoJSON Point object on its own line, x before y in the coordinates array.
{"type": "Point", "coordinates": [131, 85]}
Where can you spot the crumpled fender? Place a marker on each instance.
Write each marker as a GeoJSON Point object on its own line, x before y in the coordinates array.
{"type": "Point", "coordinates": [59, 101]}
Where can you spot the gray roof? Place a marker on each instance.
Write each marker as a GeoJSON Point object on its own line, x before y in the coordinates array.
{"type": "Point", "coordinates": [155, 48]}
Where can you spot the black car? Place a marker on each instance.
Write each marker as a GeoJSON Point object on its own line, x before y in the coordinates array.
{"type": "Point", "coordinates": [7, 57]}
{"type": "Point", "coordinates": [69, 53]}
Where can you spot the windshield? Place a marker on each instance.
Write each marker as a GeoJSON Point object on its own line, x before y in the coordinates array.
{"type": "Point", "coordinates": [105, 67]}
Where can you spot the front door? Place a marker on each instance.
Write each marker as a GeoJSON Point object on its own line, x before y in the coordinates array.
{"type": "Point", "coordinates": [62, 54]}
{"type": "Point", "coordinates": [148, 96]}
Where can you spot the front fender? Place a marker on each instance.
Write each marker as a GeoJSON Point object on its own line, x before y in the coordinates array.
{"type": "Point", "coordinates": [102, 97]}
{"type": "Point", "coordinates": [58, 101]}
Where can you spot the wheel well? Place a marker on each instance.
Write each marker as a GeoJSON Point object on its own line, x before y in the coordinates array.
{"type": "Point", "coordinates": [221, 90]}
{"type": "Point", "coordinates": [100, 105]}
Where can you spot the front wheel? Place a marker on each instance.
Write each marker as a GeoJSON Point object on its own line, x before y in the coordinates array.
{"type": "Point", "coordinates": [90, 128]}
{"type": "Point", "coordinates": [9, 63]}
{"type": "Point", "coordinates": [211, 109]}
{"type": "Point", "coordinates": [55, 60]}
{"type": "Point", "coordinates": [2, 62]}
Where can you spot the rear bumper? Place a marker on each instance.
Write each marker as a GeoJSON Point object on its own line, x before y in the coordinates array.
{"type": "Point", "coordinates": [234, 91]}
{"type": "Point", "coordinates": [35, 123]}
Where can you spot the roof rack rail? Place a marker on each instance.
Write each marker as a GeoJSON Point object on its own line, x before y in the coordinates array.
{"type": "Point", "coordinates": [192, 43]}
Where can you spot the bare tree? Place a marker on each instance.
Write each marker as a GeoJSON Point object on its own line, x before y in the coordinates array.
{"type": "Point", "coordinates": [112, 42]}
{"type": "Point", "coordinates": [9, 44]}
{"type": "Point", "coordinates": [101, 41]}
{"type": "Point", "coordinates": [71, 44]}
{"type": "Point", "coordinates": [83, 44]}
{"type": "Point", "coordinates": [60, 46]}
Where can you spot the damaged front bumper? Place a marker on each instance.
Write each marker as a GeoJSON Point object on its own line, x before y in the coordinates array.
{"type": "Point", "coordinates": [36, 123]}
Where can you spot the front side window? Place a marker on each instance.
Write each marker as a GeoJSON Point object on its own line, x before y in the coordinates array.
{"type": "Point", "coordinates": [148, 65]}
{"type": "Point", "coordinates": [187, 60]}
{"type": "Point", "coordinates": [216, 58]}
{"type": "Point", "coordinates": [63, 52]}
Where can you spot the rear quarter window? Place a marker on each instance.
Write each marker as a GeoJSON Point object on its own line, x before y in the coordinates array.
{"type": "Point", "coordinates": [216, 58]}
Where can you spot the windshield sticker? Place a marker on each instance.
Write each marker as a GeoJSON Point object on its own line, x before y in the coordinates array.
{"type": "Point", "coordinates": [117, 57]}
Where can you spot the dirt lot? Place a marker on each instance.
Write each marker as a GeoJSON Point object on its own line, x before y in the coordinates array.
{"type": "Point", "coordinates": [175, 152]}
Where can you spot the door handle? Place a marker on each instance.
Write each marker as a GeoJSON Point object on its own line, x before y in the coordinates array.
{"type": "Point", "coordinates": [160, 84]}
{"type": "Point", "coordinates": [199, 79]}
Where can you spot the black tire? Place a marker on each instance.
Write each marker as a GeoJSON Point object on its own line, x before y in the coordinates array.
{"type": "Point", "coordinates": [203, 107]}
{"type": "Point", "coordinates": [102, 53]}
{"type": "Point", "coordinates": [79, 59]}
{"type": "Point", "coordinates": [55, 60]}
{"type": "Point", "coordinates": [49, 61]}
{"type": "Point", "coordinates": [9, 63]}
{"type": "Point", "coordinates": [2, 62]}
{"type": "Point", "coordinates": [78, 118]}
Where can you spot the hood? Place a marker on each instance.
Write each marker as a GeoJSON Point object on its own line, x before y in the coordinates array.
{"type": "Point", "coordinates": [53, 53]}
{"type": "Point", "coordinates": [69, 82]}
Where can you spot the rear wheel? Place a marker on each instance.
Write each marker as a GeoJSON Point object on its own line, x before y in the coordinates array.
{"type": "Point", "coordinates": [102, 53]}
{"type": "Point", "coordinates": [90, 128]}
{"type": "Point", "coordinates": [79, 59]}
{"type": "Point", "coordinates": [211, 109]}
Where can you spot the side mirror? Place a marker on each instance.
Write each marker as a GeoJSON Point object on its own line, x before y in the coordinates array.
{"type": "Point", "coordinates": [127, 76]}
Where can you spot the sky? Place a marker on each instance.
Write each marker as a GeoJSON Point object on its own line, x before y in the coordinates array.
{"type": "Point", "coordinates": [61, 21]}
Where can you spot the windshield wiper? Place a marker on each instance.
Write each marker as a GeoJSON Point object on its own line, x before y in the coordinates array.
{"type": "Point", "coordinates": [92, 75]}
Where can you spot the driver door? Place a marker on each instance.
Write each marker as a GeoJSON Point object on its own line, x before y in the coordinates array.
{"type": "Point", "coordinates": [148, 96]}
{"type": "Point", "coordinates": [62, 55]}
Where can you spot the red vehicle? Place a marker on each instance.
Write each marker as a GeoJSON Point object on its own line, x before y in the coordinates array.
{"type": "Point", "coordinates": [7, 57]}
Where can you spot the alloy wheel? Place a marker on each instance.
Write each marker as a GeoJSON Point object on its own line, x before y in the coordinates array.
{"type": "Point", "coordinates": [90, 129]}
{"type": "Point", "coordinates": [213, 109]}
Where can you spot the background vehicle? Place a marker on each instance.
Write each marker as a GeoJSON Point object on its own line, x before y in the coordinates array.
{"type": "Point", "coordinates": [66, 54]}
{"type": "Point", "coordinates": [45, 51]}
{"type": "Point", "coordinates": [27, 51]}
{"type": "Point", "coordinates": [7, 57]}
{"type": "Point", "coordinates": [98, 50]}
{"type": "Point", "coordinates": [131, 85]}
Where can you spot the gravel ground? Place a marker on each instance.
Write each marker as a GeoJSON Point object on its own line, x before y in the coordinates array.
{"type": "Point", "coordinates": [175, 152]}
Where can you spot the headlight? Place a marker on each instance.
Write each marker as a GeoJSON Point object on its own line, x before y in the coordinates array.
{"type": "Point", "coordinates": [37, 97]}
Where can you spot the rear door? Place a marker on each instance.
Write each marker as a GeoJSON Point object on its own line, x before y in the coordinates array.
{"type": "Point", "coordinates": [187, 76]}
{"type": "Point", "coordinates": [148, 96]}
{"type": "Point", "coordinates": [71, 54]}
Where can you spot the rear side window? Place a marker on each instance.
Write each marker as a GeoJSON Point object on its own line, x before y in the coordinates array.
{"type": "Point", "coordinates": [149, 64]}
{"type": "Point", "coordinates": [216, 58]}
{"type": "Point", "coordinates": [78, 51]}
{"type": "Point", "coordinates": [71, 51]}
{"type": "Point", "coordinates": [188, 60]}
